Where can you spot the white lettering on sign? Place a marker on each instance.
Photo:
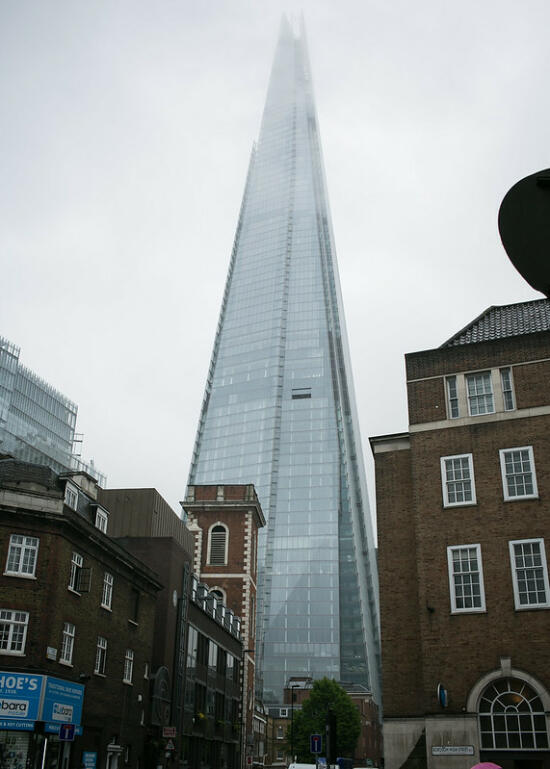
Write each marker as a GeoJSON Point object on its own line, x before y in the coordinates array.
{"type": "Point", "coordinates": [14, 708]}
{"type": "Point", "coordinates": [62, 712]}
{"type": "Point", "coordinates": [17, 683]}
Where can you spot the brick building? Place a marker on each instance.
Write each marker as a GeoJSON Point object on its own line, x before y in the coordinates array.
{"type": "Point", "coordinates": [463, 530]}
{"type": "Point", "coordinates": [368, 751]}
{"type": "Point", "coordinates": [76, 625]}
{"type": "Point", "coordinates": [197, 646]}
{"type": "Point", "coordinates": [225, 521]}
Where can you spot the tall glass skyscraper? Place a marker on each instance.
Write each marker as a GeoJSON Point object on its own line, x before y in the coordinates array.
{"type": "Point", "coordinates": [37, 422]}
{"type": "Point", "coordinates": [279, 408]}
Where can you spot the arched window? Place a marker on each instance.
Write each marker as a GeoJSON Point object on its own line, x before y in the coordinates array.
{"type": "Point", "coordinates": [218, 545]}
{"type": "Point", "coordinates": [511, 717]}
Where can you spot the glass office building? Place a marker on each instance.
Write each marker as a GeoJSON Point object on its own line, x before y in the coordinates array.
{"type": "Point", "coordinates": [37, 423]}
{"type": "Point", "coordinates": [279, 409]}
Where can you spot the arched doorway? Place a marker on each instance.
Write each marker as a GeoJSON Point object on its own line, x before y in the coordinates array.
{"type": "Point", "coordinates": [513, 727]}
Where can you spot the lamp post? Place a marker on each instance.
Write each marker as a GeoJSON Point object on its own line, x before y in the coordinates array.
{"type": "Point", "coordinates": [292, 700]}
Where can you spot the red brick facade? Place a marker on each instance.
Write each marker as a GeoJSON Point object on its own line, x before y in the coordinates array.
{"type": "Point", "coordinates": [237, 509]}
{"type": "Point", "coordinates": [425, 640]}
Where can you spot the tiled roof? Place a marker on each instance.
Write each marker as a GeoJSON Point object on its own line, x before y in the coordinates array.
{"type": "Point", "coordinates": [505, 321]}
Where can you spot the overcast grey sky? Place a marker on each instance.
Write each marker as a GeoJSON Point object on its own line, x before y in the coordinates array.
{"type": "Point", "coordinates": [126, 128]}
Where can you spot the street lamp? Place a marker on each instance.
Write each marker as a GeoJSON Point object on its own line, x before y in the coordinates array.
{"type": "Point", "coordinates": [292, 700]}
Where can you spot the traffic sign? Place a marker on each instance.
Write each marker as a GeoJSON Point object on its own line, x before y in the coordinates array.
{"type": "Point", "coordinates": [315, 743]}
{"type": "Point", "coordinates": [170, 745]}
{"type": "Point", "coordinates": [66, 732]}
{"type": "Point", "coordinates": [169, 731]}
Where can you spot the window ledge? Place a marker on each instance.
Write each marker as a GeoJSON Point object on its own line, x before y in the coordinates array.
{"type": "Point", "coordinates": [521, 499]}
{"type": "Point", "coordinates": [12, 653]}
{"type": "Point", "coordinates": [66, 664]}
{"type": "Point", "coordinates": [459, 504]}
{"type": "Point", "coordinates": [17, 574]}
{"type": "Point", "coordinates": [107, 608]}
{"type": "Point", "coordinates": [133, 622]}
{"type": "Point", "coordinates": [99, 675]}
{"type": "Point", "coordinates": [128, 683]}
{"type": "Point", "coordinates": [73, 591]}
{"type": "Point", "coordinates": [534, 607]}
{"type": "Point", "coordinates": [458, 612]}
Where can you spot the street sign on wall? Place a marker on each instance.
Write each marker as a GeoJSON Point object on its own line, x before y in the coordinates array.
{"type": "Point", "coordinates": [89, 759]}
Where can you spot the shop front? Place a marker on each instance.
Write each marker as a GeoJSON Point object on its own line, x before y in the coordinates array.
{"type": "Point", "coordinates": [39, 718]}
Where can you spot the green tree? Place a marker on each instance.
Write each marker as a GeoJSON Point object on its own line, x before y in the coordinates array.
{"type": "Point", "coordinates": [312, 719]}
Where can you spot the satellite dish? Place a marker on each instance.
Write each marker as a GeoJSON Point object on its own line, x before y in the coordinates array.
{"type": "Point", "coordinates": [524, 226]}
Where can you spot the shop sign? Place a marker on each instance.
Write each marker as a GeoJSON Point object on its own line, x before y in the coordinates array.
{"type": "Point", "coordinates": [12, 723]}
{"type": "Point", "coordinates": [26, 698]}
{"type": "Point", "coordinates": [62, 701]}
{"type": "Point", "coordinates": [20, 695]}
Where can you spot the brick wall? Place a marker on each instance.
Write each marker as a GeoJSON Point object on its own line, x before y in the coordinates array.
{"type": "Point", "coordinates": [110, 706]}
{"type": "Point", "coordinates": [423, 644]}
{"type": "Point", "coordinates": [397, 565]}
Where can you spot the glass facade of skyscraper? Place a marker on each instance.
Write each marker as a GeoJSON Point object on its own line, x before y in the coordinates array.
{"type": "Point", "coordinates": [279, 410]}
{"type": "Point", "coordinates": [37, 422]}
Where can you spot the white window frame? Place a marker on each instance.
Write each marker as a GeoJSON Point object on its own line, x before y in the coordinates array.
{"type": "Point", "coordinates": [506, 371]}
{"type": "Point", "coordinates": [100, 656]}
{"type": "Point", "coordinates": [209, 548]}
{"type": "Point", "coordinates": [67, 644]}
{"type": "Point", "coordinates": [128, 666]}
{"type": "Point", "coordinates": [13, 632]}
{"type": "Point", "coordinates": [22, 556]}
{"type": "Point", "coordinates": [101, 519]}
{"type": "Point", "coordinates": [452, 587]}
{"type": "Point", "coordinates": [71, 495]}
{"type": "Point", "coordinates": [283, 712]}
{"type": "Point", "coordinates": [452, 400]}
{"type": "Point", "coordinates": [445, 481]}
{"type": "Point", "coordinates": [77, 563]}
{"type": "Point", "coordinates": [517, 602]}
{"type": "Point", "coordinates": [512, 497]}
{"type": "Point", "coordinates": [472, 375]}
{"type": "Point", "coordinates": [107, 591]}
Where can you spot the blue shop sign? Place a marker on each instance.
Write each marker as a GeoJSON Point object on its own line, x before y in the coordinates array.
{"type": "Point", "coordinates": [62, 701]}
{"type": "Point", "coordinates": [19, 725]}
{"type": "Point", "coordinates": [20, 695]}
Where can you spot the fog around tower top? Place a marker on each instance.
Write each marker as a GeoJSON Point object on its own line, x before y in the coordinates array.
{"type": "Point", "coordinates": [126, 135]}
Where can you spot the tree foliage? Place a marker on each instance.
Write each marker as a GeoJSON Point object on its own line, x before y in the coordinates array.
{"type": "Point", "coordinates": [312, 719]}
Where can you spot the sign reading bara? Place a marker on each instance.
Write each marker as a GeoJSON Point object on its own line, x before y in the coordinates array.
{"type": "Point", "coordinates": [168, 731]}
{"type": "Point", "coordinates": [28, 698]}
{"type": "Point", "coordinates": [452, 750]}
